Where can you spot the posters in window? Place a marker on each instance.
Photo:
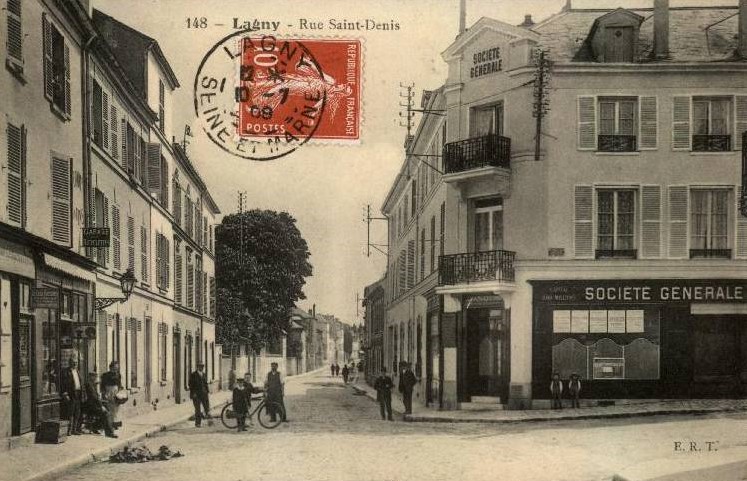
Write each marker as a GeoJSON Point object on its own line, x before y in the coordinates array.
{"type": "Point", "coordinates": [634, 320]}
{"type": "Point", "coordinates": [598, 321]}
{"type": "Point", "coordinates": [580, 321]}
{"type": "Point", "coordinates": [561, 321]}
{"type": "Point", "coordinates": [616, 321]}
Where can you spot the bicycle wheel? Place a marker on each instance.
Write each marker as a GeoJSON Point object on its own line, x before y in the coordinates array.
{"type": "Point", "coordinates": [265, 414]}
{"type": "Point", "coordinates": [228, 418]}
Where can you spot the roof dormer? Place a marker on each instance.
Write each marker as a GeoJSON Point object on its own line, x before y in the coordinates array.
{"type": "Point", "coordinates": [613, 38]}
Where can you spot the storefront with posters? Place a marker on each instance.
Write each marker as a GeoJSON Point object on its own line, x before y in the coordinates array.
{"type": "Point", "coordinates": [631, 339]}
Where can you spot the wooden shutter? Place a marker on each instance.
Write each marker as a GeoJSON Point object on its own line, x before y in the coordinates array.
{"type": "Point", "coordinates": [164, 183]}
{"type": "Point", "coordinates": [47, 58]}
{"type": "Point", "coordinates": [131, 243]}
{"type": "Point", "coordinates": [650, 221]}
{"type": "Point", "coordinates": [740, 122]}
{"type": "Point", "coordinates": [402, 268]}
{"type": "Point", "coordinates": [143, 162]}
{"type": "Point", "coordinates": [204, 292]}
{"type": "Point", "coordinates": [144, 267]}
{"type": "Point", "coordinates": [105, 120]}
{"type": "Point", "coordinates": [106, 224]}
{"type": "Point", "coordinates": [410, 264]}
{"type": "Point", "coordinates": [166, 264]}
{"type": "Point", "coordinates": [679, 211]}
{"type": "Point", "coordinates": [178, 274]}
{"type": "Point", "coordinates": [583, 221]}
{"type": "Point", "coordinates": [154, 169]}
{"type": "Point", "coordinates": [135, 148]}
{"type": "Point", "coordinates": [587, 123]}
{"type": "Point", "coordinates": [15, 30]}
{"type": "Point", "coordinates": [61, 216]}
{"type": "Point", "coordinates": [116, 238]}
{"type": "Point", "coordinates": [66, 60]}
{"type": "Point", "coordinates": [125, 158]}
{"type": "Point", "coordinates": [212, 296]}
{"type": "Point", "coordinates": [681, 138]}
{"type": "Point", "coordinates": [114, 122]}
{"type": "Point", "coordinates": [740, 245]}
{"type": "Point", "coordinates": [158, 259]}
{"type": "Point", "coordinates": [648, 125]}
{"type": "Point", "coordinates": [16, 172]}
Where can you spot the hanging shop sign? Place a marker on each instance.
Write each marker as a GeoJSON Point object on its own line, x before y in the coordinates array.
{"type": "Point", "coordinates": [95, 237]}
{"type": "Point", "coordinates": [637, 291]}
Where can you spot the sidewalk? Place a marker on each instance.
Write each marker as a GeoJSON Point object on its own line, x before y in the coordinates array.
{"type": "Point", "coordinates": [697, 406]}
{"type": "Point", "coordinates": [39, 462]}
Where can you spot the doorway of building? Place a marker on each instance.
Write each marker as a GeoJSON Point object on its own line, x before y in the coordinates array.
{"type": "Point", "coordinates": [176, 362]}
{"type": "Point", "coordinates": [485, 370]}
{"type": "Point", "coordinates": [147, 357]}
{"type": "Point", "coordinates": [717, 355]}
{"type": "Point", "coordinates": [23, 395]}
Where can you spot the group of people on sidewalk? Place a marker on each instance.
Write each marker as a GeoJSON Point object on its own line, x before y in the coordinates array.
{"type": "Point", "coordinates": [89, 405]}
{"type": "Point", "coordinates": [384, 385]}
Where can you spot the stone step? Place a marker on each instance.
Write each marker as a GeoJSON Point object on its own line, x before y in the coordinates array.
{"type": "Point", "coordinates": [481, 406]}
{"type": "Point", "coordinates": [486, 399]}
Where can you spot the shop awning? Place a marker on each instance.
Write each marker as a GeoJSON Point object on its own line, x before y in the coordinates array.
{"type": "Point", "coordinates": [68, 268]}
{"type": "Point", "coordinates": [14, 259]}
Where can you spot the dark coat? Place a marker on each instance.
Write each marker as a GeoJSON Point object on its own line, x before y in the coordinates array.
{"type": "Point", "coordinates": [407, 381]}
{"type": "Point", "coordinates": [241, 399]}
{"type": "Point", "coordinates": [92, 398]}
{"type": "Point", "coordinates": [198, 386]}
{"type": "Point", "coordinates": [110, 378]}
{"type": "Point", "coordinates": [67, 385]}
{"type": "Point", "coordinates": [383, 386]}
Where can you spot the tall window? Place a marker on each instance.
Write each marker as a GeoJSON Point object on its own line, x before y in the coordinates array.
{"type": "Point", "coordinates": [443, 228]}
{"type": "Point", "coordinates": [102, 220]}
{"type": "Point", "coordinates": [133, 352]}
{"type": "Point", "coordinates": [711, 126]}
{"type": "Point", "coordinates": [56, 68]}
{"type": "Point", "coordinates": [617, 124]}
{"type": "Point", "coordinates": [16, 174]}
{"type": "Point", "coordinates": [486, 120]}
{"type": "Point", "coordinates": [163, 259]}
{"type": "Point", "coordinates": [433, 243]}
{"type": "Point", "coordinates": [15, 35]}
{"type": "Point", "coordinates": [488, 225]}
{"type": "Point", "coordinates": [162, 335]}
{"type": "Point", "coordinates": [61, 201]}
{"type": "Point", "coordinates": [414, 197]}
{"type": "Point", "coordinates": [709, 233]}
{"type": "Point", "coordinates": [422, 253]}
{"type": "Point", "coordinates": [161, 106]}
{"type": "Point", "coordinates": [616, 223]}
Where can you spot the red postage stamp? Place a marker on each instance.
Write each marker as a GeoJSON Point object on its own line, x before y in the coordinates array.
{"type": "Point", "coordinates": [290, 83]}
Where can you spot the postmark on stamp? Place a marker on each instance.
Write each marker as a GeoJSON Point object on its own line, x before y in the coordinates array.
{"type": "Point", "coordinates": [261, 97]}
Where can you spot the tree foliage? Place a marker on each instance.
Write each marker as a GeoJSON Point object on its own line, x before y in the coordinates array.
{"type": "Point", "coordinates": [261, 266]}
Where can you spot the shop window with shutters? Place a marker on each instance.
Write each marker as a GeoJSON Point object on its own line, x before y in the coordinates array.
{"type": "Point", "coordinates": [61, 198]}
{"type": "Point", "coordinates": [709, 223]}
{"type": "Point", "coordinates": [56, 67]}
{"type": "Point", "coordinates": [16, 175]}
{"type": "Point", "coordinates": [616, 224]}
{"type": "Point", "coordinates": [14, 60]}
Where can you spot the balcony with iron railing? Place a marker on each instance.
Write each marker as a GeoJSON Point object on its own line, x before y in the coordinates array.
{"type": "Point", "coordinates": [711, 143]}
{"type": "Point", "coordinates": [471, 267]}
{"type": "Point", "coordinates": [477, 152]}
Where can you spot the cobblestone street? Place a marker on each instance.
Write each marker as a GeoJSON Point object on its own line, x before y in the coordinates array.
{"type": "Point", "coordinates": [334, 434]}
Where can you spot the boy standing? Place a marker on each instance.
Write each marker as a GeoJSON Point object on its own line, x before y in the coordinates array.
{"type": "Point", "coordinates": [383, 386]}
{"type": "Point", "coordinates": [574, 388]}
{"type": "Point", "coordinates": [556, 390]}
{"type": "Point", "coordinates": [241, 400]}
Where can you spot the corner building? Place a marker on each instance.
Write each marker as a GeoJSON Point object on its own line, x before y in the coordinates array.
{"type": "Point", "coordinates": [616, 250]}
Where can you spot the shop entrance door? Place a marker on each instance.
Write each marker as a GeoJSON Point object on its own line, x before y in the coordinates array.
{"type": "Point", "coordinates": [716, 352]}
{"type": "Point", "coordinates": [23, 403]}
{"type": "Point", "coordinates": [484, 354]}
{"type": "Point", "coordinates": [176, 362]}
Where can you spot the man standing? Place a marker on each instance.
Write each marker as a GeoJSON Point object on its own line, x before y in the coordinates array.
{"type": "Point", "coordinates": [198, 392]}
{"type": "Point", "coordinates": [275, 388]}
{"type": "Point", "coordinates": [383, 386]}
{"type": "Point", "coordinates": [95, 410]}
{"type": "Point", "coordinates": [72, 393]}
{"type": "Point", "coordinates": [406, 383]}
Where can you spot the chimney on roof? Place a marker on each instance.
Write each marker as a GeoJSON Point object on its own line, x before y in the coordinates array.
{"type": "Point", "coordinates": [462, 16]}
{"type": "Point", "coordinates": [661, 29]}
{"type": "Point", "coordinates": [742, 48]}
{"type": "Point", "coordinates": [528, 22]}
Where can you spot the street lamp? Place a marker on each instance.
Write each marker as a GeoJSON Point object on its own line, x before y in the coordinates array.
{"type": "Point", "coordinates": [127, 283]}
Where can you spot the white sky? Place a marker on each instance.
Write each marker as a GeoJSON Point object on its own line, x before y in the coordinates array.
{"type": "Point", "coordinates": [326, 188]}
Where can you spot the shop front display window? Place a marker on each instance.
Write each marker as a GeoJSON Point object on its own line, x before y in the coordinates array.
{"type": "Point", "coordinates": [50, 362]}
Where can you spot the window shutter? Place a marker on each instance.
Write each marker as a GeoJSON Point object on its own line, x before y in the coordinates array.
{"type": "Point", "coordinates": [681, 139]}
{"type": "Point", "coordinates": [740, 249]}
{"type": "Point", "coordinates": [166, 264]}
{"type": "Point", "coordinates": [679, 197]}
{"type": "Point", "coordinates": [144, 253]}
{"type": "Point", "coordinates": [131, 243]}
{"type": "Point", "coordinates": [650, 221]}
{"type": "Point", "coordinates": [15, 174]}
{"type": "Point", "coordinates": [115, 136]}
{"type": "Point", "coordinates": [106, 224]}
{"type": "Point", "coordinates": [410, 264]}
{"type": "Point", "coordinates": [105, 120]}
{"type": "Point", "coordinates": [164, 183]}
{"type": "Point", "coordinates": [47, 54]}
{"type": "Point", "coordinates": [648, 123]}
{"type": "Point", "coordinates": [402, 271]}
{"type": "Point", "coordinates": [61, 215]}
{"type": "Point", "coordinates": [116, 242]}
{"type": "Point", "coordinates": [159, 266]}
{"type": "Point", "coordinates": [154, 169]}
{"type": "Point", "coordinates": [740, 123]}
{"type": "Point", "coordinates": [125, 159]}
{"type": "Point", "coordinates": [15, 35]}
{"type": "Point", "coordinates": [66, 59]}
{"type": "Point", "coordinates": [135, 148]}
{"type": "Point", "coordinates": [178, 276]}
{"type": "Point", "coordinates": [583, 222]}
{"type": "Point", "coordinates": [587, 123]}
{"type": "Point", "coordinates": [143, 162]}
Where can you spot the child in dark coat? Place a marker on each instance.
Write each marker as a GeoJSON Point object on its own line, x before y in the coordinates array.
{"type": "Point", "coordinates": [574, 388]}
{"type": "Point", "coordinates": [241, 402]}
{"type": "Point", "coordinates": [556, 390]}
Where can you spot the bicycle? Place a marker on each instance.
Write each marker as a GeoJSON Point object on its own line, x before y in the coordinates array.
{"type": "Point", "coordinates": [263, 410]}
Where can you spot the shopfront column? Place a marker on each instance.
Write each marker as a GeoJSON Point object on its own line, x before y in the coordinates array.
{"type": "Point", "coordinates": [452, 306]}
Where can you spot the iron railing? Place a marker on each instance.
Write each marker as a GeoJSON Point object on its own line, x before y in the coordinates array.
{"type": "Point", "coordinates": [710, 253]}
{"type": "Point", "coordinates": [616, 253]}
{"type": "Point", "coordinates": [711, 143]}
{"type": "Point", "coordinates": [617, 143]}
{"type": "Point", "coordinates": [468, 154]}
{"type": "Point", "coordinates": [476, 267]}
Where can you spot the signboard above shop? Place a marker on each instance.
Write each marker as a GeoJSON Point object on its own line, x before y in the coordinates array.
{"type": "Point", "coordinates": [659, 291]}
{"type": "Point", "coordinates": [45, 298]}
{"type": "Point", "coordinates": [95, 237]}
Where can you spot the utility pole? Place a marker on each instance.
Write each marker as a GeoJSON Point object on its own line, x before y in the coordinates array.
{"type": "Point", "coordinates": [367, 219]}
{"type": "Point", "coordinates": [242, 200]}
{"type": "Point", "coordinates": [541, 100]}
